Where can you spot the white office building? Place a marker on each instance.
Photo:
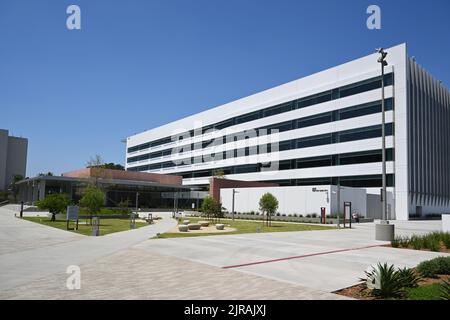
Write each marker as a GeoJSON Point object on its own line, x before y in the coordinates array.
{"type": "Point", "coordinates": [323, 129]}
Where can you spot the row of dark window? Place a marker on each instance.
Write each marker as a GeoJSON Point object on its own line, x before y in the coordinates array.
{"type": "Point", "coordinates": [365, 181]}
{"type": "Point", "coordinates": [312, 141]}
{"type": "Point", "coordinates": [336, 93]}
{"type": "Point", "coordinates": [313, 162]}
{"type": "Point", "coordinates": [326, 117]}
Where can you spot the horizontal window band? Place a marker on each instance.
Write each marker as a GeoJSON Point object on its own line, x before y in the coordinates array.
{"type": "Point", "coordinates": [329, 95]}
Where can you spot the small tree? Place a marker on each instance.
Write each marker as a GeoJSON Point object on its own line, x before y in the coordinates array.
{"type": "Point", "coordinates": [268, 204]}
{"type": "Point", "coordinates": [211, 208]}
{"type": "Point", "coordinates": [54, 203]}
{"type": "Point", "coordinates": [98, 171]}
{"type": "Point", "coordinates": [93, 200]}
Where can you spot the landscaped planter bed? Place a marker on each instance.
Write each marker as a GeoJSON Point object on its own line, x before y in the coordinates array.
{"type": "Point", "coordinates": [430, 280]}
{"type": "Point", "coordinates": [435, 241]}
{"type": "Point", "coordinates": [291, 218]}
{"type": "Point", "coordinates": [361, 292]}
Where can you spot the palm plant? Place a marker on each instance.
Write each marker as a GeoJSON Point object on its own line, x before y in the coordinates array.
{"type": "Point", "coordinates": [386, 281]}
{"type": "Point", "coordinates": [409, 277]}
{"type": "Point", "coordinates": [445, 290]}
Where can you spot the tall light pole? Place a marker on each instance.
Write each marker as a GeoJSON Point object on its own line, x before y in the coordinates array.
{"type": "Point", "coordinates": [383, 230]}
{"type": "Point", "coordinates": [382, 61]}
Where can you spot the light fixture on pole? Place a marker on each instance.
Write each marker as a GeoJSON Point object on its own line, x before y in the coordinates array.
{"type": "Point", "coordinates": [383, 231]}
{"type": "Point", "coordinates": [383, 63]}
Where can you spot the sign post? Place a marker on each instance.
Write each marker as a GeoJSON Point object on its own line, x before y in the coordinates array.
{"type": "Point", "coordinates": [72, 215]}
{"type": "Point", "coordinates": [348, 213]}
{"type": "Point", "coordinates": [323, 215]}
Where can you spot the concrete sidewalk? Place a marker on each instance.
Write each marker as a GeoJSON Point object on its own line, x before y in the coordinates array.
{"type": "Point", "coordinates": [324, 260]}
{"type": "Point", "coordinates": [30, 251]}
{"type": "Point", "coordinates": [128, 265]}
{"type": "Point", "coordinates": [138, 274]}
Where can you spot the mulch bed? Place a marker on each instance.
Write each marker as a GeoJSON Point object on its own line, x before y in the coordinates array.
{"type": "Point", "coordinates": [361, 292]}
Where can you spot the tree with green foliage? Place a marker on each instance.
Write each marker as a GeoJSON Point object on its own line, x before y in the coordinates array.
{"type": "Point", "coordinates": [268, 204]}
{"type": "Point", "coordinates": [220, 174]}
{"type": "Point", "coordinates": [93, 200]}
{"type": "Point", "coordinates": [49, 173]}
{"type": "Point", "coordinates": [211, 208]}
{"type": "Point", "coordinates": [54, 203]}
{"type": "Point", "coordinates": [113, 166]}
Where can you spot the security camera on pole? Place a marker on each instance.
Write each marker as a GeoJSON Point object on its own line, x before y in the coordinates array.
{"type": "Point", "coordinates": [383, 230]}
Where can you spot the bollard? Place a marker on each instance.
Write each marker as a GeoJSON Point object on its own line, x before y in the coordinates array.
{"type": "Point", "coordinates": [21, 209]}
{"type": "Point", "coordinates": [95, 226]}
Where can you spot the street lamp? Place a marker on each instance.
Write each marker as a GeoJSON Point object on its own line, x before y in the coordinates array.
{"type": "Point", "coordinates": [382, 61]}
{"type": "Point", "coordinates": [383, 231]}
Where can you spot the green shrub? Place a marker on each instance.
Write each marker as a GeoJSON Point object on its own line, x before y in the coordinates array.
{"type": "Point", "coordinates": [445, 290]}
{"type": "Point", "coordinates": [431, 241]}
{"type": "Point", "coordinates": [55, 203]}
{"type": "Point", "coordinates": [416, 242]}
{"type": "Point", "coordinates": [404, 242]}
{"type": "Point", "coordinates": [396, 242]}
{"type": "Point", "coordinates": [434, 267]}
{"type": "Point", "coordinates": [446, 239]}
{"type": "Point", "coordinates": [408, 278]}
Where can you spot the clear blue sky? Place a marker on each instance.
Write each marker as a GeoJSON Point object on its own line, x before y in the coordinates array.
{"type": "Point", "coordinates": [136, 65]}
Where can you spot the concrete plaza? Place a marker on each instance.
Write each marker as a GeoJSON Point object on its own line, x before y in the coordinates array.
{"type": "Point", "coordinates": [130, 265]}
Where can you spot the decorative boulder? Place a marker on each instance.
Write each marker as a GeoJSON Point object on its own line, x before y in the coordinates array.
{"type": "Point", "coordinates": [220, 226]}
{"type": "Point", "coordinates": [183, 228]}
{"type": "Point", "coordinates": [194, 226]}
{"type": "Point", "coordinates": [204, 223]}
{"type": "Point", "coordinates": [186, 222]}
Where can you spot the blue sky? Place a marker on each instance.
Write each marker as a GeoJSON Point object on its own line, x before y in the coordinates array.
{"type": "Point", "coordinates": [136, 65]}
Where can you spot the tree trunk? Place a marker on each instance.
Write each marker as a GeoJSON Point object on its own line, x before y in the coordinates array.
{"type": "Point", "coordinates": [53, 216]}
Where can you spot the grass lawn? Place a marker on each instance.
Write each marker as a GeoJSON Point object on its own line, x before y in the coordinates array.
{"type": "Point", "coordinates": [426, 292]}
{"type": "Point", "coordinates": [106, 225]}
{"type": "Point", "coordinates": [243, 226]}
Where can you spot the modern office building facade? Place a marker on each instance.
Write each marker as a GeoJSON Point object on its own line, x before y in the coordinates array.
{"type": "Point", "coordinates": [13, 158]}
{"type": "Point", "coordinates": [324, 129]}
{"type": "Point", "coordinates": [144, 190]}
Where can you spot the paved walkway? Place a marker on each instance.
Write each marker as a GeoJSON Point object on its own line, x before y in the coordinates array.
{"type": "Point", "coordinates": [138, 274]}
{"type": "Point", "coordinates": [29, 251]}
{"type": "Point", "coordinates": [127, 265]}
{"type": "Point", "coordinates": [324, 260]}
